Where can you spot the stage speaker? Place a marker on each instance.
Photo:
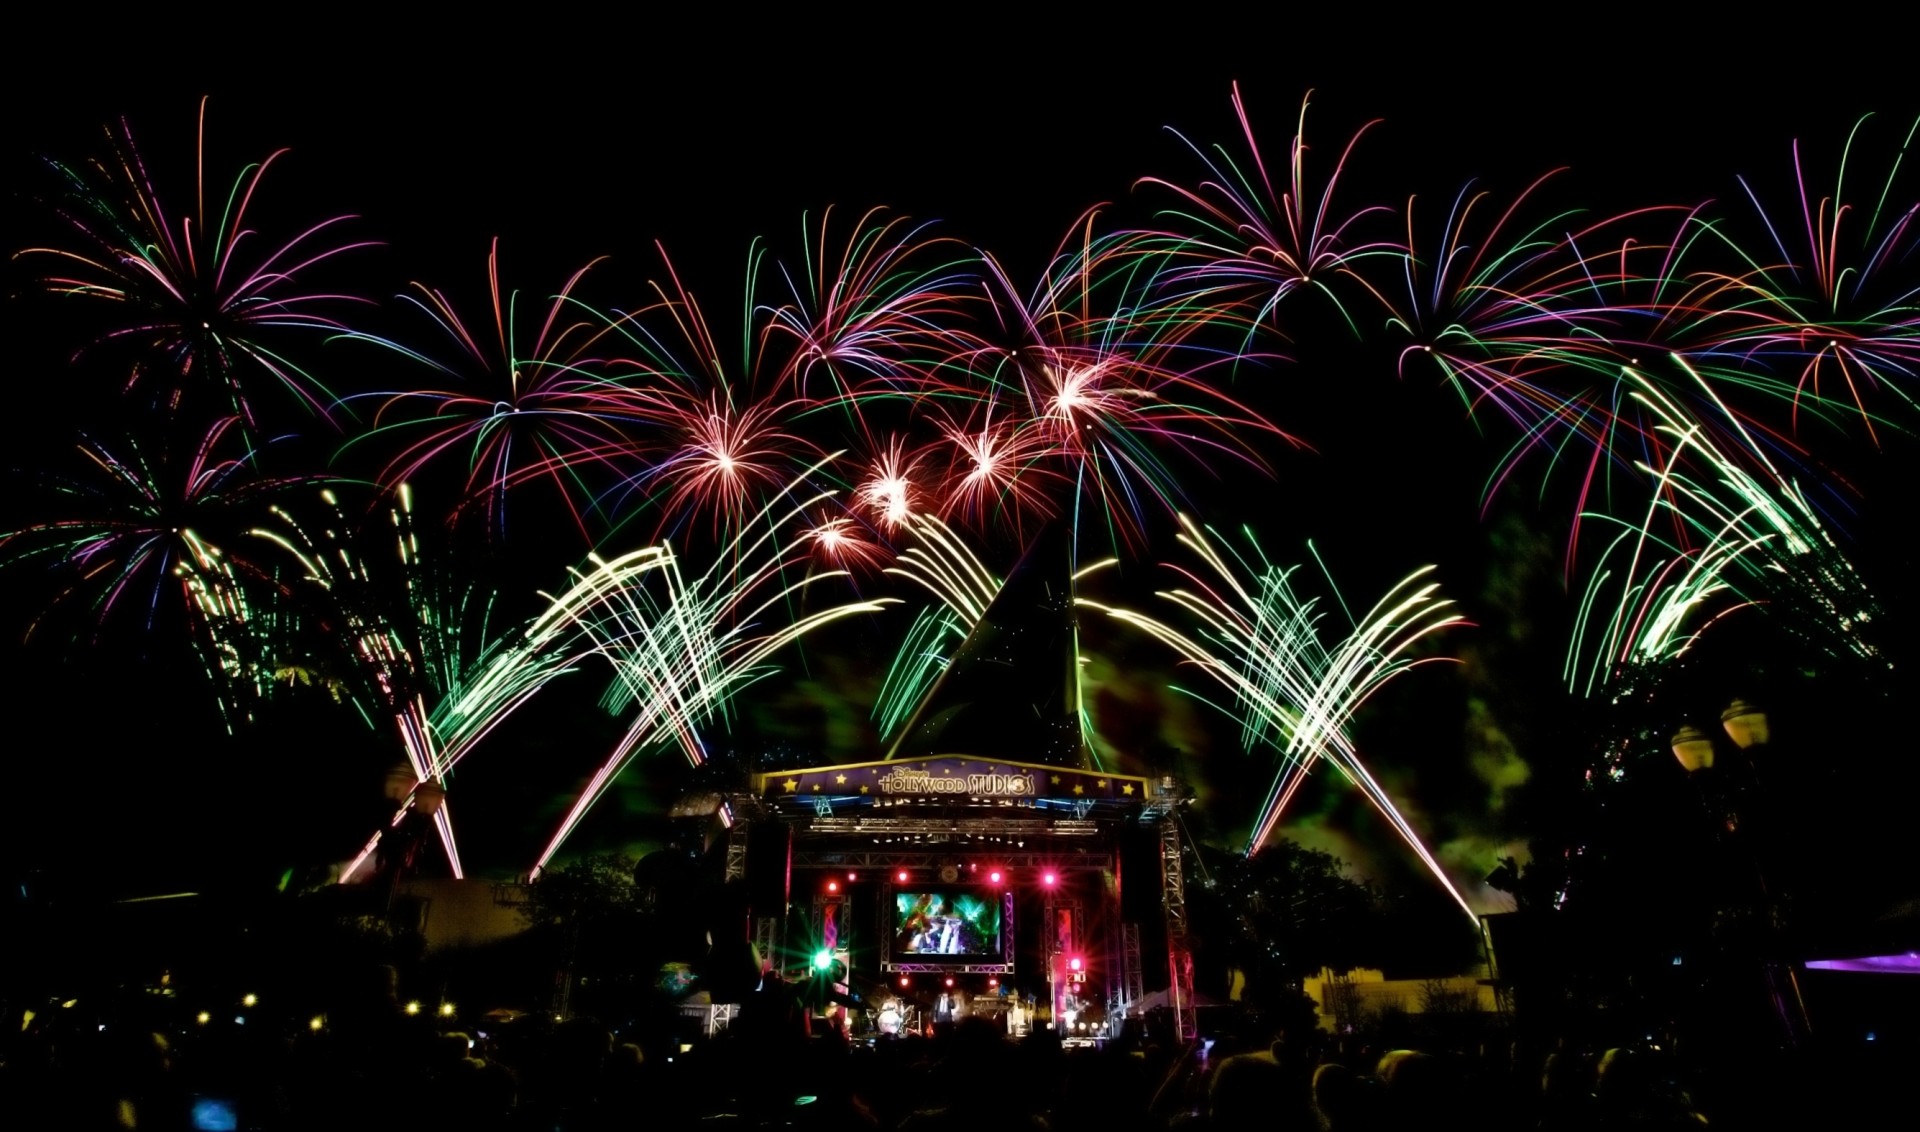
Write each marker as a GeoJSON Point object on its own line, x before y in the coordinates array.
{"type": "Point", "coordinates": [1140, 875]}
{"type": "Point", "coordinates": [769, 867]}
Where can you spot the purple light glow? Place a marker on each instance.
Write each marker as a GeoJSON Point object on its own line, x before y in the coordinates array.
{"type": "Point", "coordinates": [1903, 963]}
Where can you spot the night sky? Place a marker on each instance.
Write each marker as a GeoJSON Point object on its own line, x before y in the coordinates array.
{"type": "Point", "coordinates": [573, 143]}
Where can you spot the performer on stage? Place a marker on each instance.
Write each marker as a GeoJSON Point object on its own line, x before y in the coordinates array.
{"type": "Point", "coordinates": [945, 1008]}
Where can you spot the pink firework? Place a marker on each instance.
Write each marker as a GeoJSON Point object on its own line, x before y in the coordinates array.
{"type": "Point", "coordinates": [199, 294]}
{"type": "Point", "coordinates": [532, 404]}
{"type": "Point", "coordinates": [892, 491]}
{"type": "Point", "coordinates": [842, 542]}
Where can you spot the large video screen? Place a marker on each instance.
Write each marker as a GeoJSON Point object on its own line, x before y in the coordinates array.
{"type": "Point", "coordinates": [931, 926]}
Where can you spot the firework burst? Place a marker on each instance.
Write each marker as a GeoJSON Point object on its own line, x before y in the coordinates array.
{"type": "Point", "coordinates": [197, 293]}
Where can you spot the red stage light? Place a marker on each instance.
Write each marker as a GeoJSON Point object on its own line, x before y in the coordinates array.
{"type": "Point", "coordinates": [1075, 963]}
{"type": "Point", "coordinates": [905, 981]}
{"type": "Point", "coordinates": [851, 877]}
{"type": "Point", "coordinates": [833, 886]}
{"type": "Point", "coordinates": [1050, 879]}
{"type": "Point", "coordinates": [949, 980]}
{"type": "Point", "coordinates": [996, 876]}
{"type": "Point", "coordinates": [993, 982]}
{"type": "Point", "coordinates": [901, 876]}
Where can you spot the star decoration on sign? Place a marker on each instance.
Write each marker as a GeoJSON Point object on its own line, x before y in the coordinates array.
{"type": "Point", "coordinates": [791, 785]}
{"type": "Point", "coordinates": [1126, 788]}
{"type": "Point", "coordinates": [1079, 789]}
{"type": "Point", "coordinates": [841, 779]}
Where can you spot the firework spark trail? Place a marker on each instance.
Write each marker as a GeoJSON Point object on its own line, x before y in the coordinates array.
{"type": "Point", "coordinates": [678, 658]}
{"type": "Point", "coordinates": [1746, 527]}
{"type": "Point", "coordinates": [948, 568]}
{"type": "Point", "coordinates": [884, 312]}
{"type": "Point", "coordinates": [1832, 316]}
{"type": "Point", "coordinates": [533, 404]}
{"type": "Point", "coordinates": [424, 659]}
{"type": "Point", "coordinates": [962, 586]}
{"type": "Point", "coordinates": [1241, 240]}
{"type": "Point", "coordinates": [197, 295]}
{"type": "Point", "coordinates": [1262, 643]}
{"type": "Point", "coordinates": [726, 438]}
{"type": "Point", "coordinates": [1109, 383]}
{"type": "Point", "coordinates": [135, 528]}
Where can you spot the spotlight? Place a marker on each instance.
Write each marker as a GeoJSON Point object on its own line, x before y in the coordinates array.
{"type": "Point", "coordinates": [1050, 878]}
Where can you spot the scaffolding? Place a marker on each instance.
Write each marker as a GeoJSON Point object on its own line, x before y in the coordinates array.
{"type": "Point", "coordinates": [737, 850]}
{"type": "Point", "coordinates": [1173, 895]}
{"type": "Point", "coordinates": [1133, 972]}
{"type": "Point", "coordinates": [766, 940]}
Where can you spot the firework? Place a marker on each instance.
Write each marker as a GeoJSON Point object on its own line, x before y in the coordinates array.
{"type": "Point", "coordinates": [415, 651]}
{"type": "Point", "coordinates": [1734, 531]}
{"type": "Point", "coordinates": [1241, 239]}
{"type": "Point", "coordinates": [196, 296]}
{"type": "Point", "coordinates": [880, 310]}
{"type": "Point", "coordinates": [141, 527]}
{"type": "Point", "coordinates": [1832, 310]}
{"type": "Point", "coordinates": [534, 405]}
{"type": "Point", "coordinates": [680, 653]}
{"type": "Point", "coordinates": [962, 587]}
{"type": "Point", "coordinates": [1291, 691]}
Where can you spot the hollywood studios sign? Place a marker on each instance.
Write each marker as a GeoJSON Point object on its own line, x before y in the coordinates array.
{"type": "Point", "coordinates": [980, 785]}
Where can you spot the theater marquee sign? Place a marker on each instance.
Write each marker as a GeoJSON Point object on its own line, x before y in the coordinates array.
{"type": "Point", "coordinates": [903, 781]}
{"type": "Point", "coordinates": [952, 777]}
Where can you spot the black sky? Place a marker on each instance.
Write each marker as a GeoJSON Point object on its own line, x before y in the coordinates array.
{"type": "Point", "coordinates": [578, 139]}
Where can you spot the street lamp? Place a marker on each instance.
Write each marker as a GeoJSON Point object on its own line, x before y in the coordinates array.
{"type": "Point", "coordinates": [1693, 748]}
{"type": "Point", "coordinates": [1745, 724]}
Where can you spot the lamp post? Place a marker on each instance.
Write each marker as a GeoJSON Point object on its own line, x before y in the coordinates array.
{"type": "Point", "coordinates": [1694, 748]}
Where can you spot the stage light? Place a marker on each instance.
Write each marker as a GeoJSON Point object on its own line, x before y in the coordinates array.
{"type": "Point", "coordinates": [413, 1008]}
{"type": "Point", "coordinates": [1050, 878]}
{"type": "Point", "coordinates": [316, 1023]}
{"type": "Point", "coordinates": [249, 1000]}
{"type": "Point", "coordinates": [949, 980]}
{"type": "Point", "coordinates": [901, 876]}
{"type": "Point", "coordinates": [993, 982]}
{"type": "Point", "coordinates": [833, 886]}
{"type": "Point", "coordinates": [851, 877]}
{"type": "Point", "coordinates": [822, 959]}
{"type": "Point", "coordinates": [905, 981]}
{"type": "Point", "coordinates": [203, 1018]}
{"type": "Point", "coordinates": [996, 876]}
{"type": "Point", "coordinates": [446, 1008]}
{"type": "Point", "coordinates": [1075, 963]}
